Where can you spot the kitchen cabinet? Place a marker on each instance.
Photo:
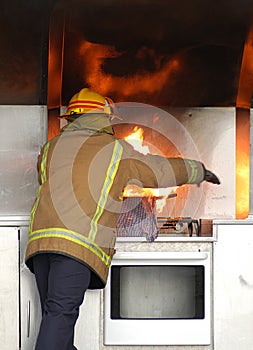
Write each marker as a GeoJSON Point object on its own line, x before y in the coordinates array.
{"type": "Point", "coordinates": [87, 327]}
{"type": "Point", "coordinates": [9, 291]}
{"type": "Point", "coordinates": [19, 299]}
{"type": "Point", "coordinates": [233, 286]}
{"type": "Point", "coordinates": [30, 311]}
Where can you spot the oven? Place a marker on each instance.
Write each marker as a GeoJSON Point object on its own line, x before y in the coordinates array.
{"type": "Point", "coordinates": [159, 297]}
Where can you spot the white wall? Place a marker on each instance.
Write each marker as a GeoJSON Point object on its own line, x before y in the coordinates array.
{"type": "Point", "coordinates": [23, 130]}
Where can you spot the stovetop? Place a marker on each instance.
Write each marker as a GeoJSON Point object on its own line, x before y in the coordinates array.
{"type": "Point", "coordinates": [182, 226]}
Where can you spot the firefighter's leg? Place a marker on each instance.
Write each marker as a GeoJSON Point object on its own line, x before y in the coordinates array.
{"type": "Point", "coordinates": [41, 269]}
{"type": "Point", "coordinates": [67, 282]}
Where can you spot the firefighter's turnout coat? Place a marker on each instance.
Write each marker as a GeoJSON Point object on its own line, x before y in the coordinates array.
{"type": "Point", "coordinates": [82, 174]}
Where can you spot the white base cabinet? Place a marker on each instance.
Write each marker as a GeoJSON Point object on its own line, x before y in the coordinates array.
{"type": "Point", "coordinates": [87, 327]}
{"type": "Point", "coordinates": [9, 288]}
{"type": "Point", "coordinates": [233, 287]}
{"type": "Point", "coordinates": [20, 311]}
{"type": "Point", "coordinates": [30, 310]}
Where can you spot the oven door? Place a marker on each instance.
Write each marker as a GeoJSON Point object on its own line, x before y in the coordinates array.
{"type": "Point", "coordinates": [158, 298]}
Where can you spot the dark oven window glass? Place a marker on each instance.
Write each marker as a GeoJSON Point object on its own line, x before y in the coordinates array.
{"type": "Point", "coordinates": [157, 292]}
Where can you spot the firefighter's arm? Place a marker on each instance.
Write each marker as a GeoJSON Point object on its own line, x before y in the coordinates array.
{"type": "Point", "coordinates": [158, 171]}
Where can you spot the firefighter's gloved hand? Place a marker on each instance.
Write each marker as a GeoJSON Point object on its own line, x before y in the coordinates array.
{"type": "Point", "coordinates": [211, 177]}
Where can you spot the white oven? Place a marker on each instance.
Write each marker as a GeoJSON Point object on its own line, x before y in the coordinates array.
{"type": "Point", "coordinates": [158, 298]}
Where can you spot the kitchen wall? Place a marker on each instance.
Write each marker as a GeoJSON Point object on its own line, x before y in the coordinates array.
{"type": "Point", "coordinates": [23, 131]}
{"type": "Point", "coordinates": [206, 134]}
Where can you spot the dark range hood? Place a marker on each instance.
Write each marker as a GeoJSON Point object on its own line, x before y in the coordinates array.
{"type": "Point", "coordinates": [201, 44]}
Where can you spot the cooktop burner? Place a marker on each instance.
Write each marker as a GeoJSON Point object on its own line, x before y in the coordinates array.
{"type": "Point", "coordinates": [182, 226]}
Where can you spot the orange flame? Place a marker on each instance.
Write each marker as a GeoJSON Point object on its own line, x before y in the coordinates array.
{"type": "Point", "coordinates": [242, 164]}
{"type": "Point", "coordinates": [147, 82]}
{"type": "Point", "coordinates": [136, 139]}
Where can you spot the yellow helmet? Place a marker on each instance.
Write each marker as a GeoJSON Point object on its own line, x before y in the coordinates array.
{"type": "Point", "coordinates": [86, 101]}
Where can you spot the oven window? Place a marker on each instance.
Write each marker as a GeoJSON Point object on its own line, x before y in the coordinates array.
{"type": "Point", "coordinates": [157, 292]}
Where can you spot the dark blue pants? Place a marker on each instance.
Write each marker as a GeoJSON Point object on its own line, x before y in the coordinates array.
{"type": "Point", "coordinates": [62, 283]}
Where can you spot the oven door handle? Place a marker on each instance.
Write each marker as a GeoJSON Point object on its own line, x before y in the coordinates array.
{"type": "Point", "coordinates": [153, 256]}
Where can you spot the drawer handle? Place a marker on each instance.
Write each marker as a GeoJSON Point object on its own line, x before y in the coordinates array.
{"type": "Point", "coordinates": [28, 318]}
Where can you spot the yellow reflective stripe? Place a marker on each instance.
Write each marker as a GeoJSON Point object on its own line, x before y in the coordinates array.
{"type": "Point", "coordinates": [72, 237]}
{"type": "Point", "coordinates": [194, 171]}
{"type": "Point", "coordinates": [34, 208]}
{"type": "Point", "coordinates": [110, 175]}
{"type": "Point", "coordinates": [43, 164]}
{"type": "Point", "coordinates": [43, 179]}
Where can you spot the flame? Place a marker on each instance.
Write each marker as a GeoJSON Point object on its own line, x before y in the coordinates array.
{"type": "Point", "coordinates": [136, 139]}
{"type": "Point", "coordinates": [242, 187]}
{"type": "Point", "coordinates": [146, 82]}
{"type": "Point", "coordinates": [136, 191]}
{"type": "Point", "coordinates": [242, 164]}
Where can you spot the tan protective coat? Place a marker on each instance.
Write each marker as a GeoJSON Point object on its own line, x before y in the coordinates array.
{"type": "Point", "coordinates": [70, 216]}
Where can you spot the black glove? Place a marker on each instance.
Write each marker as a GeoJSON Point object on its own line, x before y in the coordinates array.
{"type": "Point", "coordinates": [211, 177]}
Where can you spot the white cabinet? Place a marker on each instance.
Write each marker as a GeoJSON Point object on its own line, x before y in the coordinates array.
{"type": "Point", "coordinates": [233, 287]}
{"type": "Point", "coordinates": [30, 311]}
{"type": "Point", "coordinates": [87, 327]}
{"type": "Point", "coordinates": [20, 311]}
{"type": "Point", "coordinates": [19, 301]}
{"type": "Point", "coordinates": [87, 330]}
{"type": "Point", "coordinates": [9, 291]}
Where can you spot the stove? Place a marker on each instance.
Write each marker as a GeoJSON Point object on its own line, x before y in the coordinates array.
{"type": "Point", "coordinates": [182, 226]}
{"type": "Point", "coordinates": [138, 218]}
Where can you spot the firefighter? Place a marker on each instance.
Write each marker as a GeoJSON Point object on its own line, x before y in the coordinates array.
{"type": "Point", "coordinates": [71, 238]}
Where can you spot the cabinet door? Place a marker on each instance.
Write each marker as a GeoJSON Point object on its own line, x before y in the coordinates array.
{"type": "Point", "coordinates": [30, 311]}
{"type": "Point", "coordinates": [233, 287]}
{"type": "Point", "coordinates": [9, 288]}
{"type": "Point", "coordinates": [87, 328]}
